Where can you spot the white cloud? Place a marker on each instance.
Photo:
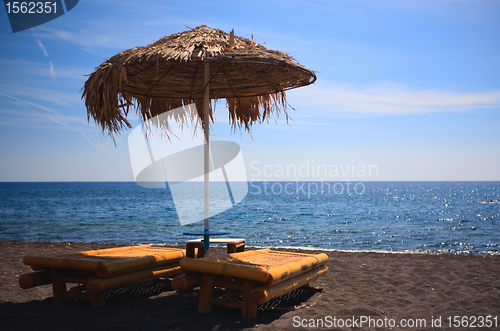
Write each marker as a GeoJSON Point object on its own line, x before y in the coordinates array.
{"type": "Point", "coordinates": [21, 70]}
{"type": "Point", "coordinates": [135, 25]}
{"type": "Point", "coordinates": [105, 34]}
{"type": "Point", "coordinates": [51, 71]}
{"type": "Point", "coordinates": [24, 91]}
{"type": "Point", "coordinates": [42, 47]}
{"type": "Point", "coordinates": [388, 99]}
{"type": "Point", "coordinates": [33, 115]}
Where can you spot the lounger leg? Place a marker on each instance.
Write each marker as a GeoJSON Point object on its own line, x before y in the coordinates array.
{"type": "Point", "coordinates": [206, 293]}
{"type": "Point", "coordinates": [231, 248]}
{"type": "Point", "coordinates": [240, 247]}
{"type": "Point", "coordinates": [201, 252]}
{"type": "Point", "coordinates": [307, 287]}
{"type": "Point", "coordinates": [235, 248]}
{"type": "Point", "coordinates": [190, 250]}
{"type": "Point", "coordinates": [249, 309]}
{"type": "Point", "coordinates": [58, 288]}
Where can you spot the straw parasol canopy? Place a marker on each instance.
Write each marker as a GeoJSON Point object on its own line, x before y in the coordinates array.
{"type": "Point", "coordinates": [170, 73]}
{"type": "Point", "coordinates": [193, 67]}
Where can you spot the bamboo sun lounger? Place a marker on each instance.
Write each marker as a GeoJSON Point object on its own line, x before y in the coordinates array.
{"type": "Point", "coordinates": [98, 271]}
{"type": "Point", "coordinates": [254, 276]}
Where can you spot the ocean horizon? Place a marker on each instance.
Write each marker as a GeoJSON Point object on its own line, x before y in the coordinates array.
{"type": "Point", "coordinates": [450, 217]}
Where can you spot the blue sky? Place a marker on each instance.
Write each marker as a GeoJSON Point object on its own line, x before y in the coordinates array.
{"type": "Point", "coordinates": [409, 90]}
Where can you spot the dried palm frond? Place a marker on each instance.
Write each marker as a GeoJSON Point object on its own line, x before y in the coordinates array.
{"type": "Point", "coordinates": [169, 73]}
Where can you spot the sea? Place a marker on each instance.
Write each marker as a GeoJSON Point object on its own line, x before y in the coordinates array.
{"type": "Point", "coordinates": [396, 217]}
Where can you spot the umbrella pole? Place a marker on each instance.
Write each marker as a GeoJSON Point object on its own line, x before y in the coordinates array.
{"type": "Point", "coordinates": [206, 179]}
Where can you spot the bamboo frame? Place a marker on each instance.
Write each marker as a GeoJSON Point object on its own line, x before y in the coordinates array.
{"type": "Point", "coordinates": [264, 294]}
{"type": "Point", "coordinates": [38, 262]}
{"type": "Point", "coordinates": [100, 270]}
{"type": "Point", "coordinates": [100, 285]}
{"type": "Point", "coordinates": [109, 262]}
{"type": "Point", "coordinates": [112, 251]}
{"type": "Point", "coordinates": [184, 283]}
{"type": "Point", "coordinates": [231, 270]}
{"type": "Point", "coordinates": [34, 279]}
{"type": "Point", "coordinates": [248, 275]}
{"type": "Point", "coordinates": [255, 265]}
{"type": "Point", "coordinates": [280, 274]}
{"type": "Point", "coordinates": [109, 269]}
{"type": "Point", "coordinates": [251, 293]}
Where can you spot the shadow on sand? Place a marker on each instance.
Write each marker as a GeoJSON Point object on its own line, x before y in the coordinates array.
{"type": "Point", "coordinates": [152, 307]}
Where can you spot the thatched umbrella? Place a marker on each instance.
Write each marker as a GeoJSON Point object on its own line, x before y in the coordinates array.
{"type": "Point", "coordinates": [193, 67]}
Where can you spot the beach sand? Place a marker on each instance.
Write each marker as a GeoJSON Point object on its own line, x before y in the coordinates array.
{"type": "Point", "coordinates": [383, 288]}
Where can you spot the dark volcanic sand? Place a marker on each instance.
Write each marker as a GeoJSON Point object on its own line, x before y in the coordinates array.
{"type": "Point", "coordinates": [370, 285]}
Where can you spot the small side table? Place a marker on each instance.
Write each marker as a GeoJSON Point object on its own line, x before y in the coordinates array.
{"type": "Point", "coordinates": [234, 245]}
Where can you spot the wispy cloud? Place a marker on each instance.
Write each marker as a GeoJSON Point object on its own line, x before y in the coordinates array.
{"type": "Point", "coordinates": [142, 26]}
{"type": "Point", "coordinates": [102, 35]}
{"type": "Point", "coordinates": [33, 114]}
{"type": "Point", "coordinates": [44, 50]}
{"type": "Point", "coordinates": [51, 71]}
{"type": "Point", "coordinates": [22, 69]}
{"type": "Point", "coordinates": [55, 97]}
{"type": "Point", "coordinates": [389, 99]}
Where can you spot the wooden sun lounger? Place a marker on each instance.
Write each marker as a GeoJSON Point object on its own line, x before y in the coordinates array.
{"type": "Point", "coordinates": [98, 271]}
{"type": "Point", "coordinates": [257, 276]}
